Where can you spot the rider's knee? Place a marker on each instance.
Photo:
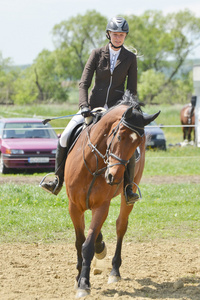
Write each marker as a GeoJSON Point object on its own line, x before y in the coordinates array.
{"type": "Point", "coordinates": [63, 141]}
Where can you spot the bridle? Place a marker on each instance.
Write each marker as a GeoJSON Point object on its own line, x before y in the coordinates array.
{"type": "Point", "coordinates": [108, 153]}
{"type": "Point", "coordinates": [105, 158]}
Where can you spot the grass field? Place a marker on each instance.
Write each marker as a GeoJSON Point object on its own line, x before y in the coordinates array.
{"type": "Point", "coordinates": [28, 214]}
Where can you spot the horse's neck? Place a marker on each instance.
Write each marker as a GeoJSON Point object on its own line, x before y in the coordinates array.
{"type": "Point", "coordinates": [108, 121]}
{"type": "Point", "coordinates": [99, 132]}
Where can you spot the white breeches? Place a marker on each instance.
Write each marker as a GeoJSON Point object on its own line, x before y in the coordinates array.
{"type": "Point", "coordinates": [77, 119]}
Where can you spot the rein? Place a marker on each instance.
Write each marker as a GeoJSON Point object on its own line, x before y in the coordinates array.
{"type": "Point", "coordinates": [105, 158]}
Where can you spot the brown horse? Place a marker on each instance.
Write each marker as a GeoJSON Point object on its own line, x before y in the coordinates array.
{"type": "Point", "coordinates": [187, 116]}
{"type": "Point", "coordinates": [94, 173]}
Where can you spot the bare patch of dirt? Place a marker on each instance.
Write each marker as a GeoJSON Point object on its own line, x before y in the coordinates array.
{"type": "Point", "coordinates": [150, 179]}
{"type": "Point", "coordinates": [171, 179]}
{"type": "Point", "coordinates": [153, 270]}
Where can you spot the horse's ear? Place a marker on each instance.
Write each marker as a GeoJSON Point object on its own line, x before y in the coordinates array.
{"type": "Point", "coordinates": [149, 118]}
{"type": "Point", "coordinates": [128, 113]}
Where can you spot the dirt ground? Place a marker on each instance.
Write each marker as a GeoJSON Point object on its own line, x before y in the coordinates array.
{"type": "Point", "coordinates": [154, 270]}
{"type": "Point", "coordinates": [150, 179]}
{"type": "Point", "coordinates": [162, 270]}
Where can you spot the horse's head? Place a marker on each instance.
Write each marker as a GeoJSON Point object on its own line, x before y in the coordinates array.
{"type": "Point", "coordinates": [125, 136]}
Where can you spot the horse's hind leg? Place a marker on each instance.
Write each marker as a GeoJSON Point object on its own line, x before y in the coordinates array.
{"type": "Point", "coordinates": [189, 134]}
{"type": "Point", "coordinates": [190, 130]}
{"type": "Point", "coordinates": [184, 133]}
{"type": "Point", "coordinates": [100, 247]}
{"type": "Point", "coordinates": [121, 227]}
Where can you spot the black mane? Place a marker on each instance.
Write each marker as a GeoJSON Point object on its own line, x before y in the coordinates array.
{"type": "Point", "coordinates": [130, 100]}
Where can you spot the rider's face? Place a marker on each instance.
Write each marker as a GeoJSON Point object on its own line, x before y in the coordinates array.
{"type": "Point", "coordinates": [117, 38]}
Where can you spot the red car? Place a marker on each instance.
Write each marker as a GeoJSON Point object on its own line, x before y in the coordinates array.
{"type": "Point", "coordinates": [26, 144]}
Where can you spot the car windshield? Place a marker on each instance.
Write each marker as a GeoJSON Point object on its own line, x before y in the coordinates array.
{"type": "Point", "coordinates": [28, 130]}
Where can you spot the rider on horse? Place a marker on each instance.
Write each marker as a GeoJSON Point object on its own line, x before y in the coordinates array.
{"type": "Point", "coordinates": [112, 65]}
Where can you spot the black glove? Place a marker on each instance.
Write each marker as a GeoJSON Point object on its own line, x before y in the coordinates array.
{"type": "Point", "coordinates": [85, 111]}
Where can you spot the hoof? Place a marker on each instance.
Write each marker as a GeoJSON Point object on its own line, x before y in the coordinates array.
{"type": "Point", "coordinates": [102, 254]}
{"type": "Point", "coordinates": [82, 293]}
{"type": "Point", "coordinates": [113, 279]}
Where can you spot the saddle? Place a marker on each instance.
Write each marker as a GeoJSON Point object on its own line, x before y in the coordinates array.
{"type": "Point", "coordinates": [93, 119]}
{"type": "Point", "coordinates": [189, 113]}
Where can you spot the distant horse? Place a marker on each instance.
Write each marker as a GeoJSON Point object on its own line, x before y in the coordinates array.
{"type": "Point", "coordinates": [94, 173]}
{"type": "Point", "coordinates": [187, 116]}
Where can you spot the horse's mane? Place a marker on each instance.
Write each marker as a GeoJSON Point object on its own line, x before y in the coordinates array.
{"type": "Point", "coordinates": [128, 99]}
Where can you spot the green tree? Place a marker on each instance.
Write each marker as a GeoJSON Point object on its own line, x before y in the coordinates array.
{"type": "Point", "coordinates": [42, 81]}
{"type": "Point", "coordinates": [150, 83]}
{"type": "Point", "coordinates": [75, 38]}
{"type": "Point", "coordinates": [8, 75]}
{"type": "Point", "coordinates": [48, 78]}
{"type": "Point", "coordinates": [161, 40]}
{"type": "Point", "coordinates": [163, 44]}
{"type": "Point", "coordinates": [177, 91]}
{"type": "Point", "coordinates": [25, 88]}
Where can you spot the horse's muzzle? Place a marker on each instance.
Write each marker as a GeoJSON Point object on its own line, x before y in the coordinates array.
{"type": "Point", "coordinates": [110, 178]}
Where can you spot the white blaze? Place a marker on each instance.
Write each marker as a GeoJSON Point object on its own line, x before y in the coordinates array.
{"type": "Point", "coordinates": [133, 136]}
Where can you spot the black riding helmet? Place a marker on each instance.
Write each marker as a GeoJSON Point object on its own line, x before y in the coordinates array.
{"type": "Point", "coordinates": [117, 24]}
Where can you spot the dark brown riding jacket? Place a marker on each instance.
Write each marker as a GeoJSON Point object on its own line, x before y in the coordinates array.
{"type": "Point", "coordinates": [108, 88]}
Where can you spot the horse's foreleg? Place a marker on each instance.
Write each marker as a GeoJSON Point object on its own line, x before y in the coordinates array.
{"type": "Point", "coordinates": [79, 226]}
{"type": "Point", "coordinates": [121, 227]}
{"type": "Point", "coordinates": [88, 249]}
{"type": "Point", "coordinates": [80, 239]}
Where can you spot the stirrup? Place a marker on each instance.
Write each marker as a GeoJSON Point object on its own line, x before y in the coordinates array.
{"type": "Point", "coordinates": [125, 193]}
{"type": "Point", "coordinates": [43, 179]}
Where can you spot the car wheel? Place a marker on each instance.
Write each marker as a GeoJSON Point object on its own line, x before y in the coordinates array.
{"type": "Point", "coordinates": [3, 169]}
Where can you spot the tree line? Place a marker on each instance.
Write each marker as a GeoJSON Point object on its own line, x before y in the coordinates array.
{"type": "Point", "coordinates": [161, 42]}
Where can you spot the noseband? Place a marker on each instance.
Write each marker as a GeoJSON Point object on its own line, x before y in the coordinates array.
{"type": "Point", "coordinates": [109, 153]}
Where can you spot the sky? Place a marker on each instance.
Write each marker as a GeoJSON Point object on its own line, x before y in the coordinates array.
{"type": "Point", "coordinates": [26, 25]}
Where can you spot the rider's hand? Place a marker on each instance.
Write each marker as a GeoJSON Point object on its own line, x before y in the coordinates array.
{"type": "Point", "coordinates": [85, 111]}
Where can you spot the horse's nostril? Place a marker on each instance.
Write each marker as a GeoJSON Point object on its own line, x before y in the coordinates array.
{"type": "Point", "coordinates": [110, 178]}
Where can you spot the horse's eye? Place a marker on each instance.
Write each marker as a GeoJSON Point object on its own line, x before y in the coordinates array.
{"type": "Point", "coordinates": [119, 138]}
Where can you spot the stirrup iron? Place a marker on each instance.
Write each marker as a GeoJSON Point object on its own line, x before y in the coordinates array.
{"type": "Point", "coordinates": [125, 193]}
{"type": "Point", "coordinates": [43, 179]}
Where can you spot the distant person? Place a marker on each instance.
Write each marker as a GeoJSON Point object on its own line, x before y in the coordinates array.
{"type": "Point", "coordinates": [112, 65]}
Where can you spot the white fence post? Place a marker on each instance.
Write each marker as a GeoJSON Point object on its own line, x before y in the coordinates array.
{"type": "Point", "coordinates": [196, 83]}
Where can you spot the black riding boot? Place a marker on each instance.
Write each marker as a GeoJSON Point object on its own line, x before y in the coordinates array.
{"type": "Point", "coordinates": [55, 186]}
{"type": "Point", "coordinates": [130, 196]}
